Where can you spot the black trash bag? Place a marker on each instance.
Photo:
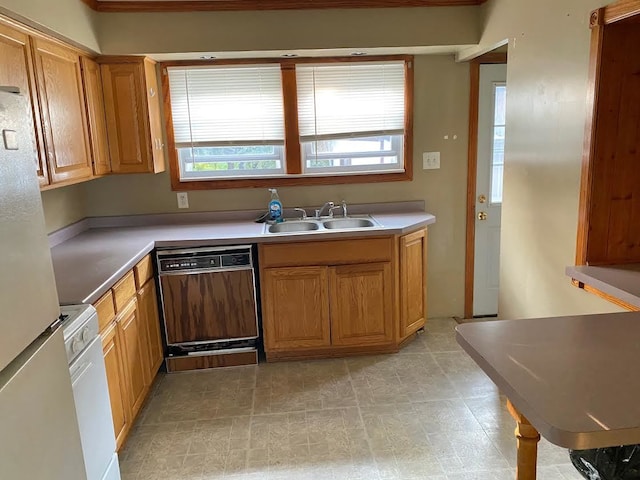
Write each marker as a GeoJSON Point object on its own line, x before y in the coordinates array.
{"type": "Point", "coordinates": [612, 463]}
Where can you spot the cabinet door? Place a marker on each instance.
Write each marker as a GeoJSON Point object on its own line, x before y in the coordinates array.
{"type": "Point", "coordinates": [127, 117]}
{"type": "Point", "coordinates": [16, 69]}
{"type": "Point", "coordinates": [413, 265]}
{"type": "Point", "coordinates": [156, 122]}
{"type": "Point", "coordinates": [295, 308]}
{"type": "Point", "coordinates": [95, 112]}
{"type": "Point", "coordinates": [361, 304]}
{"type": "Point", "coordinates": [148, 308]}
{"type": "Point", "coordinates": [134, 344]}
{"type": "Point", "coordinates": [63, 112]}
{"type": "Point", "coordinates": [116, 379]}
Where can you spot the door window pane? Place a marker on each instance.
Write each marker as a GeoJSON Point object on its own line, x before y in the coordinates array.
{"type": "Point", "coordinates": [497, 147]}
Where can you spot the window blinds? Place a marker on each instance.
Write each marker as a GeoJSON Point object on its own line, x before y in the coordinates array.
{"type": "Point", "coordinates": [227, 105]}
{"type": "Point", "coordinates": [342, 100]}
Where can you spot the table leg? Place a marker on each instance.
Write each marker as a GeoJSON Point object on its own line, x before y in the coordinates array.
{"type": "Point", "coordinates": [527, 440]}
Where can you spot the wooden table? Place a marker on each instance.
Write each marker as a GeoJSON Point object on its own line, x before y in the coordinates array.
{"type": "Point", "coordinates": [573, 380]}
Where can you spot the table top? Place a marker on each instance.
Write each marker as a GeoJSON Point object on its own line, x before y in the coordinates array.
{"type": "Point", "coordinates": [576, 379]}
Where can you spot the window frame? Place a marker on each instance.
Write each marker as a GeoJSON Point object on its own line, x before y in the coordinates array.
{"type": "Point", "coordinates": [293, 175]}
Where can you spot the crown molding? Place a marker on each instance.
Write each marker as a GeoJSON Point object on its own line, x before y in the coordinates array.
{"type": "Point", "coordinates": [239, 5]}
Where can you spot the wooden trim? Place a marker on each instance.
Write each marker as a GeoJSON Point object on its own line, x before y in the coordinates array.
{"type": "Point", "coordinates": [94, 4]}
{"type": "Point", "coordinates": [238, 5]}
{"type": "Point", "coordinates": [586, 178]}
{"type": "Point", "coordinates": [472, 173]}
{"type": "Point", "coordinates": [337, 351]}
{"type": "Point", "coordinates": [617, 11]}
{"type": "Point", "coordinates": [408, 118]}
{"type": "Point", "coordinates": [294, 164]}
{"type": "Point", "coordinates": [606, 296]}
{"type": "Point", "coordinates": [293, 156]}
{"type": "Point", "coordinates": [281, 61]}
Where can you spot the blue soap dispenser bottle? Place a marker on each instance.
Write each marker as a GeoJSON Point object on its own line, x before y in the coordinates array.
{"type": "Point", "coordinates": [275, 206]}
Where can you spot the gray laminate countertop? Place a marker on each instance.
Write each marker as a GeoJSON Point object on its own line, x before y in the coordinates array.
{"type": "Point", "coordinates": [619, 281]}
{"type": "Point", "coordinates": [575, 378]}
{"type": "Point", "coordinates": [89, 263]}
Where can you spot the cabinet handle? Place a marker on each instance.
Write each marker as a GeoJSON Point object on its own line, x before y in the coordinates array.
{"type": "Point", "coordinates": [152, 92]}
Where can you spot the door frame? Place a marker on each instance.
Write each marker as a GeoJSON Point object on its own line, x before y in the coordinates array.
{"type": "Point", "coordinates": [599, 20]}
{"type": "Point", "coordinates": [472, 172]}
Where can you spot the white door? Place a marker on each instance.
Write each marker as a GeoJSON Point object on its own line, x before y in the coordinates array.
{"type": "Point", "coordinates": [491, 136]}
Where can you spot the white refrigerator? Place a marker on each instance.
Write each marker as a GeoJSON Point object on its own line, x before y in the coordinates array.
{"type": "Point", "coordinates": [39, 436]}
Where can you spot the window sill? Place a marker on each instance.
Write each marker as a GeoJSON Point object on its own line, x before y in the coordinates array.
{"type": "Point", "coordinates": [287, 181]}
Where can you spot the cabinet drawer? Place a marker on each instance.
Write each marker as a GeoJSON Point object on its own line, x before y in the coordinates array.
{"type": "Point", "coordinates": [106, 310]}
{"type": "Point", "coordinates": [124, 290]}
{"type": "Point", "coordinates": [334, 252]}
{"type": "Point", "coordinates": [143, 271]}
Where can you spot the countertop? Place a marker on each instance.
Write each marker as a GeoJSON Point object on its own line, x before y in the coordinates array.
{"type": "Point", "coordinates": [619, 281]}
{"type": "Point", "coordinates": [575, 378]}
{"type": "Point", "coordinates": [89, 263]}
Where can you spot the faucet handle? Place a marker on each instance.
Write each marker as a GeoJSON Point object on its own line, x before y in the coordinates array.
{"type": "Point", "coordinates": [303, 211]}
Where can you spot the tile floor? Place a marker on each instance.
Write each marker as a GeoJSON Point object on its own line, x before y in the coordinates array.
{"type": "Point", "coordinates": [427, 412]}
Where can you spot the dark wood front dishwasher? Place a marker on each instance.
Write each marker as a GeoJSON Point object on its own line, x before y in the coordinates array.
{"type": "Point", "coordinates": [209, 307]}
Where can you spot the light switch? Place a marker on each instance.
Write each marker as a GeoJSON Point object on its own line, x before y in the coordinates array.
{"type": "Point", "coordinates": [183, 200]}
{"type": "Point", "coordinates": [430, 160]}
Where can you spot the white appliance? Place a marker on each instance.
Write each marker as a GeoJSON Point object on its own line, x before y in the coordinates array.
{"type": "Point", "coordinates": [90, 391]}
{"type": "Point", "coordinates": [39, 435]}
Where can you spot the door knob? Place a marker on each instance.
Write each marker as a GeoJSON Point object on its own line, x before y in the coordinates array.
{"type": "Point", "coordinates": [482, 216]}
{"type": "Point", "coordinates": [482, 198]}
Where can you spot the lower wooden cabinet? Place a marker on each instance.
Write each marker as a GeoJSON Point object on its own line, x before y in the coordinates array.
{"type": "Point", "coordinates": [148, 310]}
{"type": "Point", "coordinates": [296, 314]}
{"type": "Point", "coordinates": [135, 354]}
{"type": "Point", "coordinates": [413, 266]}
{"type": "Point", "coordinates": [116, 379]}
{"type": "Point", "coordinates": [132, 346]}
{"type": "Point", "coordinates": [349, 296]}
{"type": "Point", "coordinates": [361, 304]}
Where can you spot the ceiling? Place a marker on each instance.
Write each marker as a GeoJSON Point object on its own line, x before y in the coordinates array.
{"type": "Point", "coordinates": [231, 5]}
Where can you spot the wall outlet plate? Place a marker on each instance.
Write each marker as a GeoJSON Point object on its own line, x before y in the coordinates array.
{"type": "Point", "coordinates": [430, 160]}
{"type": "Point", "coordinates": [183, 200]}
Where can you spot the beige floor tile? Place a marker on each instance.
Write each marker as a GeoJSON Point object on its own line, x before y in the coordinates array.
{"type": "Point", "coordinates": [426, 413]}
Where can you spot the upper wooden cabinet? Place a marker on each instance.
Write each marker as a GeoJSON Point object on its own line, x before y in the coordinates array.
{"type": "Point", "coordinates": [96, 116]}
{"type": "Point", "coordinates": [413, 265]}
{"type": "Point", "coordinates": [16, 69]}
{"type": "Point", "coordinates": [134, 124]}
{"type": "Point", "coordinates": [63, 110]}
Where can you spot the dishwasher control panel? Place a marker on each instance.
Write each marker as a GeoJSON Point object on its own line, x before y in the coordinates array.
{"type": "Point", "coordinates": [203, 259]}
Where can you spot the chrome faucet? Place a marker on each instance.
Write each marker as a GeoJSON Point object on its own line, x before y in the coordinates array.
{"type": "Point", "coordinates": [344, 208]}
{"type": "Point", "coordinates": [303, 211]}
{"type": "Point", "coordinates": [329, 205]}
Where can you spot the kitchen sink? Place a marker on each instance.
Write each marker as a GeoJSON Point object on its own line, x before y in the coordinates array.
{"type": "Point", "coordinates": [288, 227]}
{"type": "Point", "coordinates": [348, 223]}
{"type": "Point", "coordinates": [323, 224]}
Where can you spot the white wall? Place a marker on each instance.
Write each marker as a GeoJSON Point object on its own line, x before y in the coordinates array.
{"type": "Point", "coordinates": [546, 112]}
{"type": "Point", "coordinates": [69, 19]}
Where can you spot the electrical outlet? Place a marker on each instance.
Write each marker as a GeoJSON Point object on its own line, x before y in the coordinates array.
{"type": "Point", "coordinates": [183, 200]}
{"type": "Point", "coordinates": [430, 160]}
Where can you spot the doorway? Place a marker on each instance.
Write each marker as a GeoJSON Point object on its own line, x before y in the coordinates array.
{"type": "Point", "coordinates": [487, 127]}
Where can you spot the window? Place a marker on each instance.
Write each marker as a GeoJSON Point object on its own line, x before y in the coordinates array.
{"type": "Point", "coordinates": [297, 121]}
{"type": "Point", "coordinates": [351, 117]}
{"type": "Point", "coordinates": [497, 147]}
{"type": "Point", "coordinates": [228, 121]}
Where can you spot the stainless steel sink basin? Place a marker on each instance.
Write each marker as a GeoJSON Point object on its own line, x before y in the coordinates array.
{"type": "Point", "coordinates": [348, 223]}
{"type": "Point", "coordinates": [289, 227]}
